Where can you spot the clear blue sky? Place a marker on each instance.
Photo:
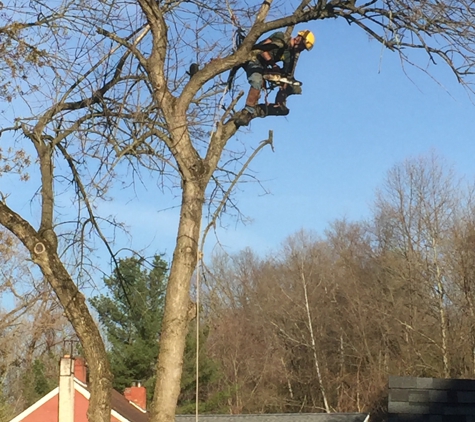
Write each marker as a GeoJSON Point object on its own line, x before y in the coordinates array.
{"type": "Point", "coordinates": [359, 115]}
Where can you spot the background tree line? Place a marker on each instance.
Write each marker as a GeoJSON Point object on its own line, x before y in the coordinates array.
{"type": "Point", "coordinates": [316, 325]}
{"type": "Point", "coordinates": [321, 322]}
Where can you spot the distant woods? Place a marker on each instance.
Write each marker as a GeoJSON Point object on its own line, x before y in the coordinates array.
{"type": "Point", "coordinates": [321, 322]}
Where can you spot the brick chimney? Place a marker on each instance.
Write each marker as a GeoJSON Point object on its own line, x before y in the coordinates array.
{"type": "Point", "coordinates": [80, 369]}
{"type": "Point", "coordinates": [137, 395]}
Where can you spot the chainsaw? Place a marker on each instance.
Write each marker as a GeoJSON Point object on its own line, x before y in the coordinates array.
{"type": "Point", "coordinates": [279, 79]}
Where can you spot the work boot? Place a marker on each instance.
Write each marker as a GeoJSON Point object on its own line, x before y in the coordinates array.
{"type": "Point", "coordinates": [243, 117]}
{"type": "Point", "coordinates": [249, 112]}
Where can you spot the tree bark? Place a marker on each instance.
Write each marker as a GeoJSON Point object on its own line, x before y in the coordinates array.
{"type": "Point", "coordinates": [75, 308]}
{"type": "Point", "coordinates": [179, 309]}
{"type": "Point", "coordinates": [314, 344]}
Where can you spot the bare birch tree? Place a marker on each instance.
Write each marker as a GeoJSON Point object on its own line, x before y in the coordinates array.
{"type": "Point", "coordinates": [461, 271]}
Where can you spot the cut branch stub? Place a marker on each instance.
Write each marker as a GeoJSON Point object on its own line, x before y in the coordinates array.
{"type": "Point", "coordinates": [39, 248]}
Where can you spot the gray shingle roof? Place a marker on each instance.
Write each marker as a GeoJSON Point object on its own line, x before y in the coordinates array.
{"type": "Point", "coordinates": [280, 417]}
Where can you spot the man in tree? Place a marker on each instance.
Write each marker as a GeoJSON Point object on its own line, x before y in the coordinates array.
{"type": "Point", "coordinates": [274, 49]}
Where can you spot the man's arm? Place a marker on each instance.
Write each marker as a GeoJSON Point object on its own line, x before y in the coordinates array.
{"type": "Point", "coordinates": [273, 44]}
{"type": "Point", "coordinates": [265, 46]}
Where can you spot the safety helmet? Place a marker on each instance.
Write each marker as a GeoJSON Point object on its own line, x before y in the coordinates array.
{"type": "Point", "coordinates": [308, 38]}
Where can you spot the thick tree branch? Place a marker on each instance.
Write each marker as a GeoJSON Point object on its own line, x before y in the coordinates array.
{"type": "Point", "coordinates": [74, 305]}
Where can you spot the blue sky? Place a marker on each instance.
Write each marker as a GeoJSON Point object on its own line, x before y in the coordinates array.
{"type": "Point", "coordinates": [360, 114]}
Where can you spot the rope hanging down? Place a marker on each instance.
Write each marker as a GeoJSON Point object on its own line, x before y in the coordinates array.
{"type": "Point", "coordinates": [239, 33]}
{"type": "Point", "coordinates": [197, 361]}
{"type": "Point", "coordinates": [238, 38]}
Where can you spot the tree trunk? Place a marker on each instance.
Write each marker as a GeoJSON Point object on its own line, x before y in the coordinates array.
{"type": "Point", "coordinates": [314, 345]}
{"type": "Point", "coordinates": [179, 309]}
{"type": "Point", "coordinates": [442, 313]}
{"type": "Point", "coordinates": [75, 309]}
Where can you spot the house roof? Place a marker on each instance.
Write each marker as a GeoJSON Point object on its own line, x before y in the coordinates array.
{"type": "Point", "coordinates": [279, 417]}
{"type": "Point", "coordinates": [35, 406]}
{"type": "Point", "coordinates": [122, 409]}
{"type": "Point", "coordinates": [126, 411]}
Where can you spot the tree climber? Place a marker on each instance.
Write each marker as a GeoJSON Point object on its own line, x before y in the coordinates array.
{"type": "Point", "coordinates": [272, 50]}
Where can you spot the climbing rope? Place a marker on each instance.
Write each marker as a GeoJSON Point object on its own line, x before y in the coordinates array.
{"type": "Point", "coordinates": [392, 29]}
{"type": "Point", "coordinates": [199, 261]}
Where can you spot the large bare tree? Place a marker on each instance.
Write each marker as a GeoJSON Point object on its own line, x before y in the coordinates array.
{"type": "Point", "coordinates": [109, 100]}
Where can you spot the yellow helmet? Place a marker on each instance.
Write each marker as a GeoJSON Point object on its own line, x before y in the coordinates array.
{"type": "Point", "coordinates": [308, 37]}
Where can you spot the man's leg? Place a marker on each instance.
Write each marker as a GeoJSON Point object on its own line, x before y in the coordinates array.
{"type": "Point", "coordinates": [254, 72]}
{"type": "Point", "coordinates": [279, 108]}
{"type": "Point", "coordinates": [252, 99]}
